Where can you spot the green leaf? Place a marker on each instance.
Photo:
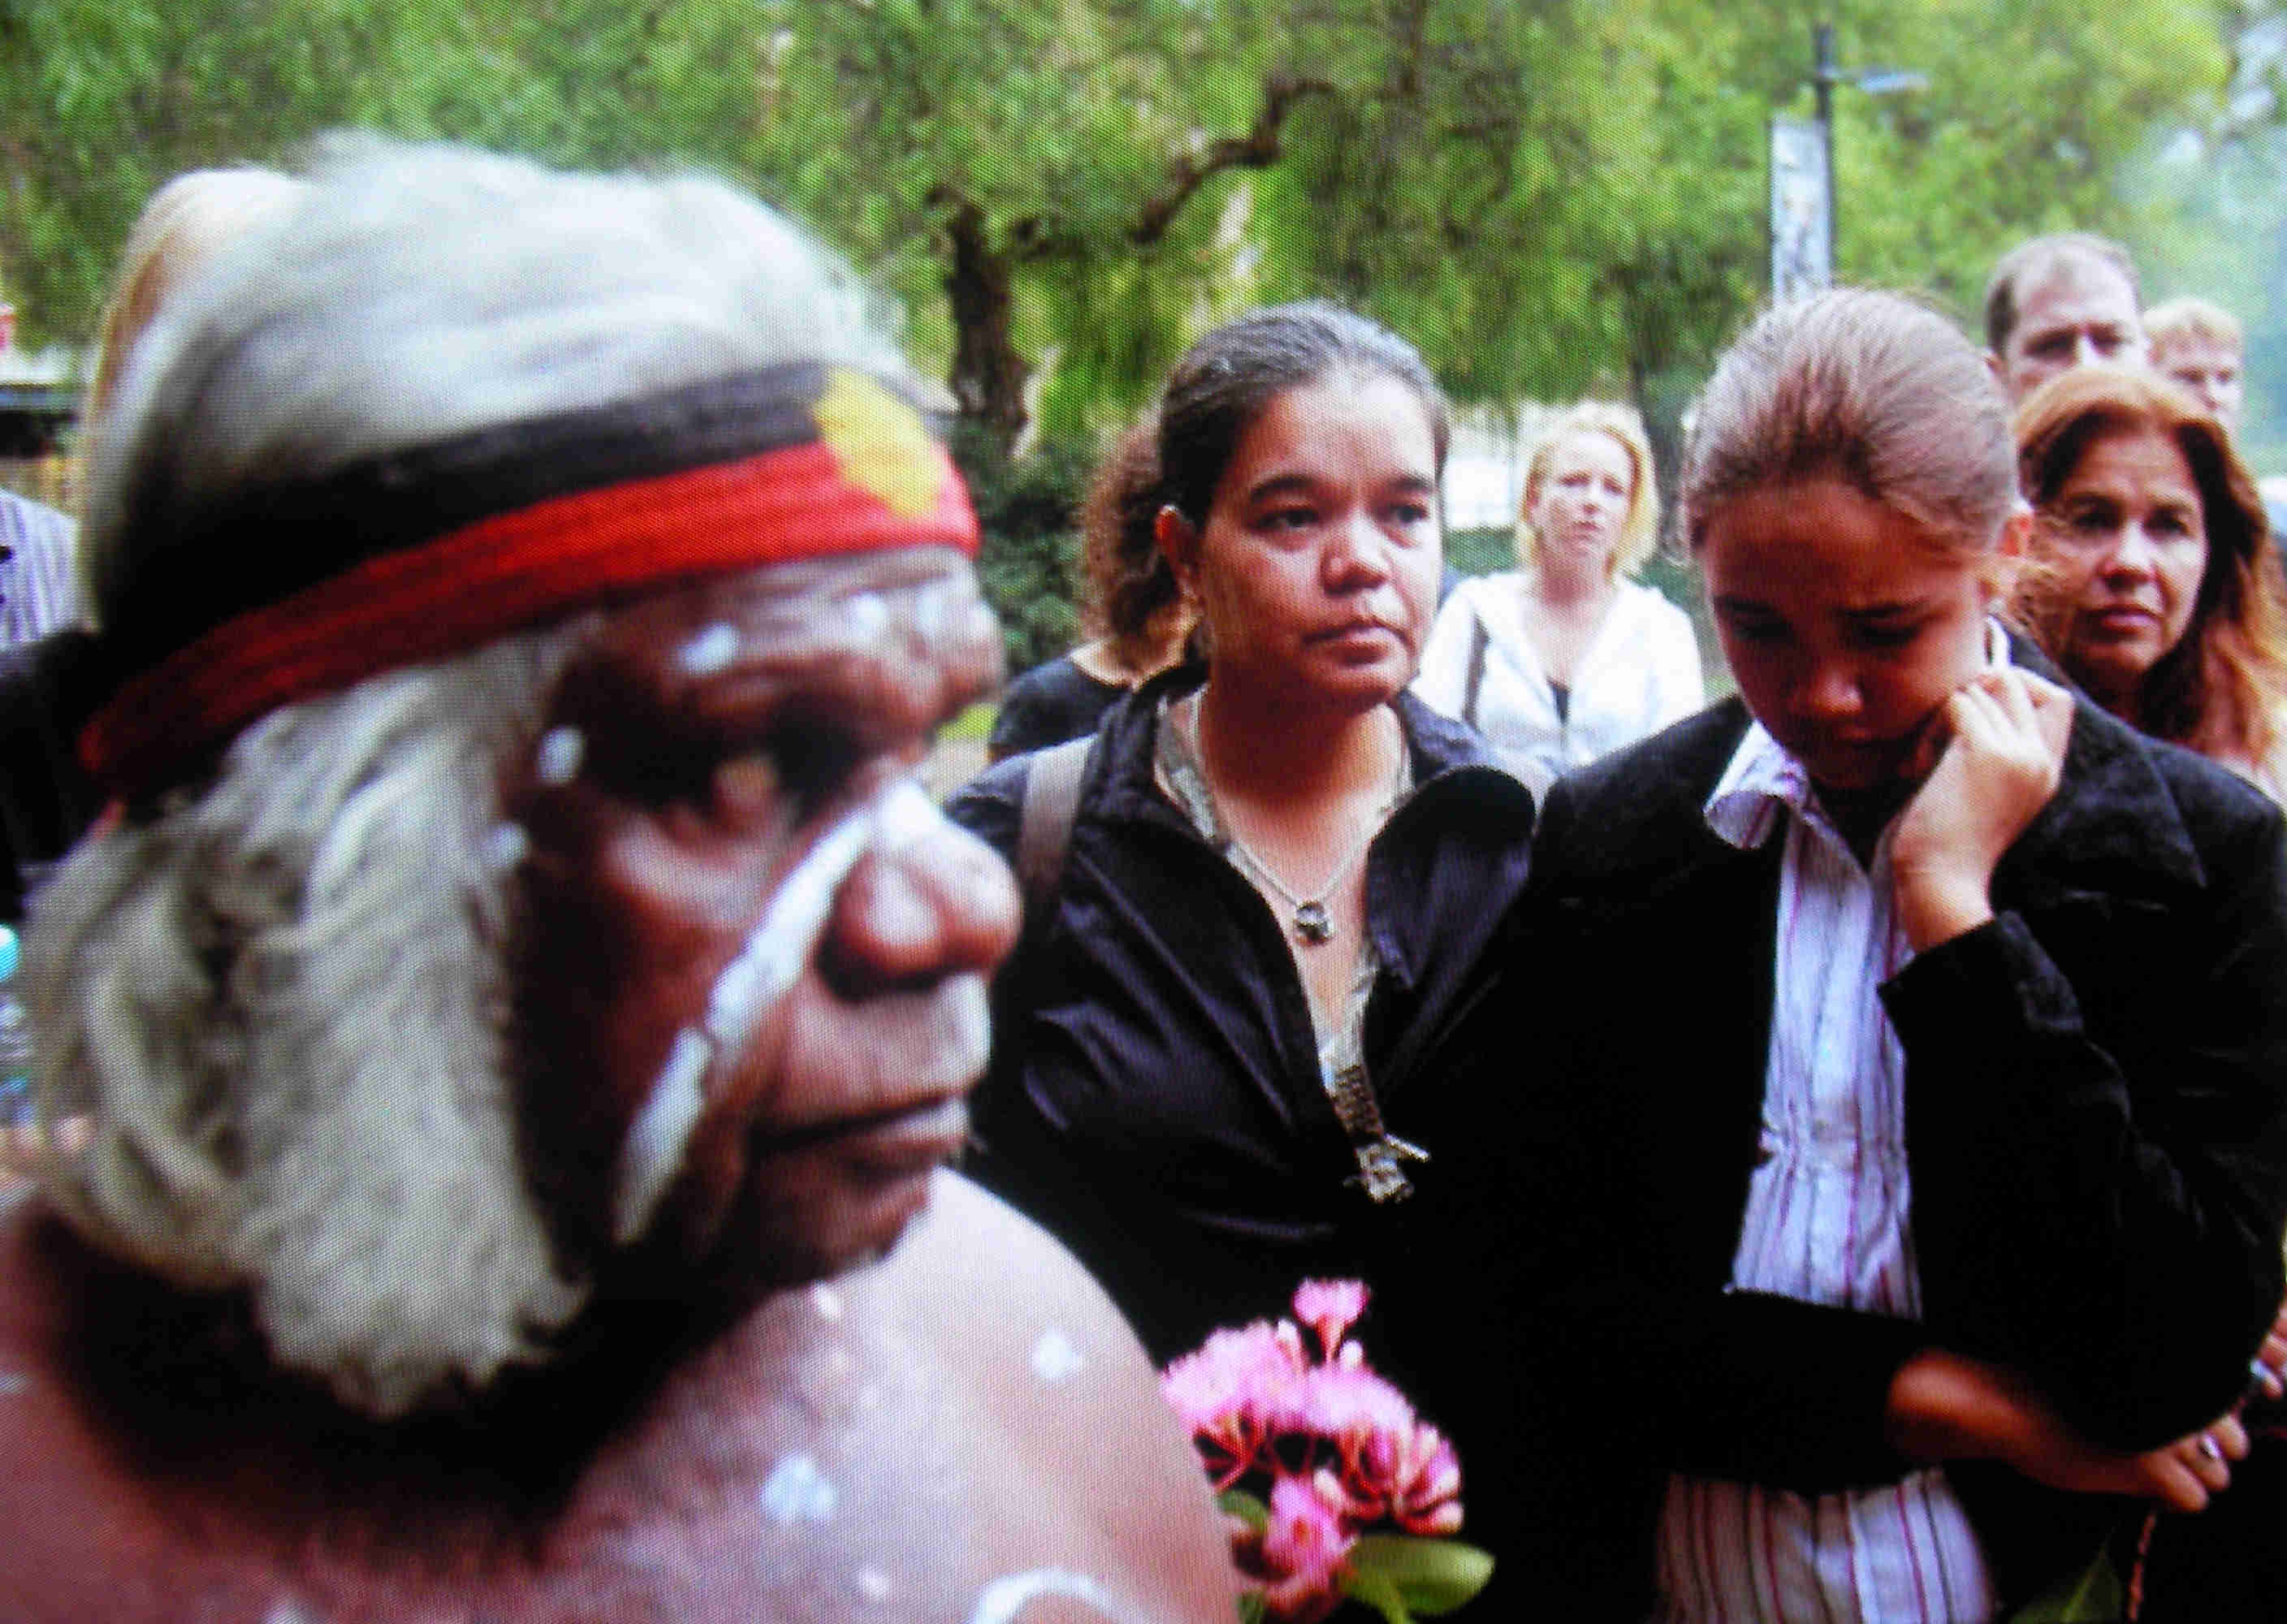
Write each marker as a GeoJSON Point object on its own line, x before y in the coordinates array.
{"type": "Point", "coordinates": [1428, 1577]}
{"type": "Point", "coordinates": [1253, 1609]}
{"type": "Point", "coordinates": [1377, 1591]}
{"type": "Point", "coordinates": [2093, 1596]}
{"type": "Point", "coordinates": [1238, 1502]}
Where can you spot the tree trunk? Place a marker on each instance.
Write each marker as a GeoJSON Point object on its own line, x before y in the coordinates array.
{"type": "Point", "coordinates": [988, 376]}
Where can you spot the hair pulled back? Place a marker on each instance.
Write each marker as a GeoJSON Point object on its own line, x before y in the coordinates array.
{"type": "Point", "coordinates": [1132, 592]}
{"type": "Point", "coordinates": [1224, 382]}
{"type": "Point", "coordinates": [1865, 387]}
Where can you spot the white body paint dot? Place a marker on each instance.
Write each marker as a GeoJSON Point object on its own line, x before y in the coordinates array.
{"type": "Point", "coordinates": [1003, 1600]}
{"type": "Point", "coordinates": [558, 762]}
{"type": "Point", "coordinates": [872, 1584]}
{"type": "Point", "coordinates": [1055, 1359]}
{"type": "Point", "coordinates": [828, 1302]}
{"type": "Point", "coordinates": [929, 611]}
{"type": "Point", "coordinates": [710, 651]}
{"type": "Point", "coordinates": [505, 847]}
{"type": "Point", "coordinates": [797, 1492]}
{"type": "Point", "coordinates": [868, 615]}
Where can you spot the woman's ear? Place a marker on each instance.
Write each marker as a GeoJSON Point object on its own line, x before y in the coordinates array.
{"type": "Point", "coordinates": [2017, 530]}
{"type": "Point", "coordinates": [2010, 553]}
{"type": "Point", "coordinates": [1179, 544]}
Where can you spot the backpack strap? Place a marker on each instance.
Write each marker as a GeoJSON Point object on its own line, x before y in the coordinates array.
{"type": "Point", "coordinates": [1052, 785]}
{"type": "Point", "coordinates": [1476, 677]}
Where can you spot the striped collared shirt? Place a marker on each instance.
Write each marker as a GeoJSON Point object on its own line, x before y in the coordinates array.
{"type": "Point", "coordinates": [38, 590]}
{"type": "Point", "coordinates": [1826, 1222]}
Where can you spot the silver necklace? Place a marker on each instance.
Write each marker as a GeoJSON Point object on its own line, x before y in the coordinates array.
{"type": "Point", "coordinates": [1313, 925]}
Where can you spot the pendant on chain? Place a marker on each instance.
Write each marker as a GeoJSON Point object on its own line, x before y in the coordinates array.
{"type": "Point", "coordinates": [1312, 924]}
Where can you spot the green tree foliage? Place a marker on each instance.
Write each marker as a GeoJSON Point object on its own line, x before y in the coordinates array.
{"type": "Point", "coordinates": [1029, 566]}
{"type": "Point", "coordinates": [102, 100]}
{"type": "Point", "coordinates": [1549, 196]}
{"type": "Point", "coordinates": [1037, 176]}
{"type": "Point", "coordinates": [2030, 115]}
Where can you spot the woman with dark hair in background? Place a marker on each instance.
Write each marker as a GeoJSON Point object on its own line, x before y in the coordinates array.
{"type": "Point", "coordinates": [1283, 867]}
{"type": "Point", "coordinates": [1134, 614]}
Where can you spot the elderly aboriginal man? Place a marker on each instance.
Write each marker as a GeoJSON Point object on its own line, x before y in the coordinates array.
{"type": "Point", "coordinates": [519, 1003]}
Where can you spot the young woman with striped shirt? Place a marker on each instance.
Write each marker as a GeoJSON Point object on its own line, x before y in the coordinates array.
{"type": "Point", "coordinates": [1894, 1170]}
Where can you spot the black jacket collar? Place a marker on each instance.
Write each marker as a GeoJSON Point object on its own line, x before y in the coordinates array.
{"type": "Point", "coordinates": [1457, 788]}
{"type": "Point", "coordinates": [1440, 746]}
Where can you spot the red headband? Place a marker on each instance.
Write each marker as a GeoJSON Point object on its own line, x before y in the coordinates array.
{"type": "Point", "coordinates": [866, 478]}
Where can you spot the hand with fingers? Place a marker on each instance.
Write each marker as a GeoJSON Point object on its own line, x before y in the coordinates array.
{"type": "Point", "coordinates": [2264, 1412]}
{"type": "Point", "coordinates": [2185, 1474]}
{"type": "Point", "coordinates": [1946, 1405]}
{"type": "Point", "coordinates": [1997, 752]}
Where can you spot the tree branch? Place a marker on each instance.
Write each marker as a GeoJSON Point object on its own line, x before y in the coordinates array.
{"type": "Point", "coordinates": [1257, 149]}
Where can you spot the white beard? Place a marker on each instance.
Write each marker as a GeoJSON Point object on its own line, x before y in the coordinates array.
{"type": "Point", "coordinates": [283, 1008]}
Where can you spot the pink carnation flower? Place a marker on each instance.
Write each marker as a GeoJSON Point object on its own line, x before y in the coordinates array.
{"type": "Point", "coordinates": [1341, 1447]}
{"type": "Point", "coordinates": [1229, 1393]}
{"type": "Point", "coordinates": [1330, 1307]}
{"type": "Point", "coordinates": [1417, 1475]}
{"type": "Point", "coordinates": [1305, 1547]}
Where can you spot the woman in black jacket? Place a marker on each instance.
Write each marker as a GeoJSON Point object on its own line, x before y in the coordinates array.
{"type": "Point", "coordinates": [1282, 871]}
{"type": "Point", "coordinates": [1899, 1136]}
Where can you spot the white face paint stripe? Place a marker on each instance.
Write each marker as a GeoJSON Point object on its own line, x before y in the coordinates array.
{"type": "Point", "coordinates": [775, 952]}
{"type": "Point", "coordinates": [905, 814]}
{"type": "Point", "coordinates": [764, 970]}
{"type": "Point", "coordinates": [652, 1152]}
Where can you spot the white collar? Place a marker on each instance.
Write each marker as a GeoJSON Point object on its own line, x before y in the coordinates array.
{"type": "Point", "coordinates": [1762, 778]}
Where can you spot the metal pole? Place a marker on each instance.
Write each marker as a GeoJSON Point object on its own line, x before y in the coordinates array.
{"type": "Point", "coordinates": [1826, 72]}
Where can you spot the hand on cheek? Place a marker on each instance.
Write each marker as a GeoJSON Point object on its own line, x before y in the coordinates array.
{"type": "Point", "coordinates": [1998, 766]}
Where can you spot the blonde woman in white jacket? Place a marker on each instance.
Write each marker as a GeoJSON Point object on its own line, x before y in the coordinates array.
{"type": "Point", "coordinates": [1566, 658]}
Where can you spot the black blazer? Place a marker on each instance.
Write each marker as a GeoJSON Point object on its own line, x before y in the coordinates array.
{"type": "Point", "coordinates": [2095, 1129]}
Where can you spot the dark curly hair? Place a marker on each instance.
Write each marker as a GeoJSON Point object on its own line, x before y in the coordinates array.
{"type": "Point", "coordinates": [1132, 598]}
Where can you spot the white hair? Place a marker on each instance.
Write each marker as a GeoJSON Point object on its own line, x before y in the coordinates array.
{"type": "Point", "coordinates": [282, 1006]}
{"type": "Point", "coordinates": [417, 293]}
{"type": "Point", "coordinates": [283, 1000]}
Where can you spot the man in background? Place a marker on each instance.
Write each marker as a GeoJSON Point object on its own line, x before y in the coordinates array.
{"type": "Point", "coordinates": [2201, 346]}
{"type": "Point", "coordinates": [2059, 302]}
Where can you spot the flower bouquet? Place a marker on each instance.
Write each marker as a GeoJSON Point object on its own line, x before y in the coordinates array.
{"type": "Point", "coordinates": [1315, 1459]}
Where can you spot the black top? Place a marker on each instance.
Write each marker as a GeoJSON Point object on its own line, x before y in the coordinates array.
{"type": "Point", "coordinates": [1154, 1097]}
{"type": "Point", "coordinates": [1048, 704]}
{"type": "Point", "coordinates": [2094, 1127]}
{"type": "Point", "coordinates": [46, 798]}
